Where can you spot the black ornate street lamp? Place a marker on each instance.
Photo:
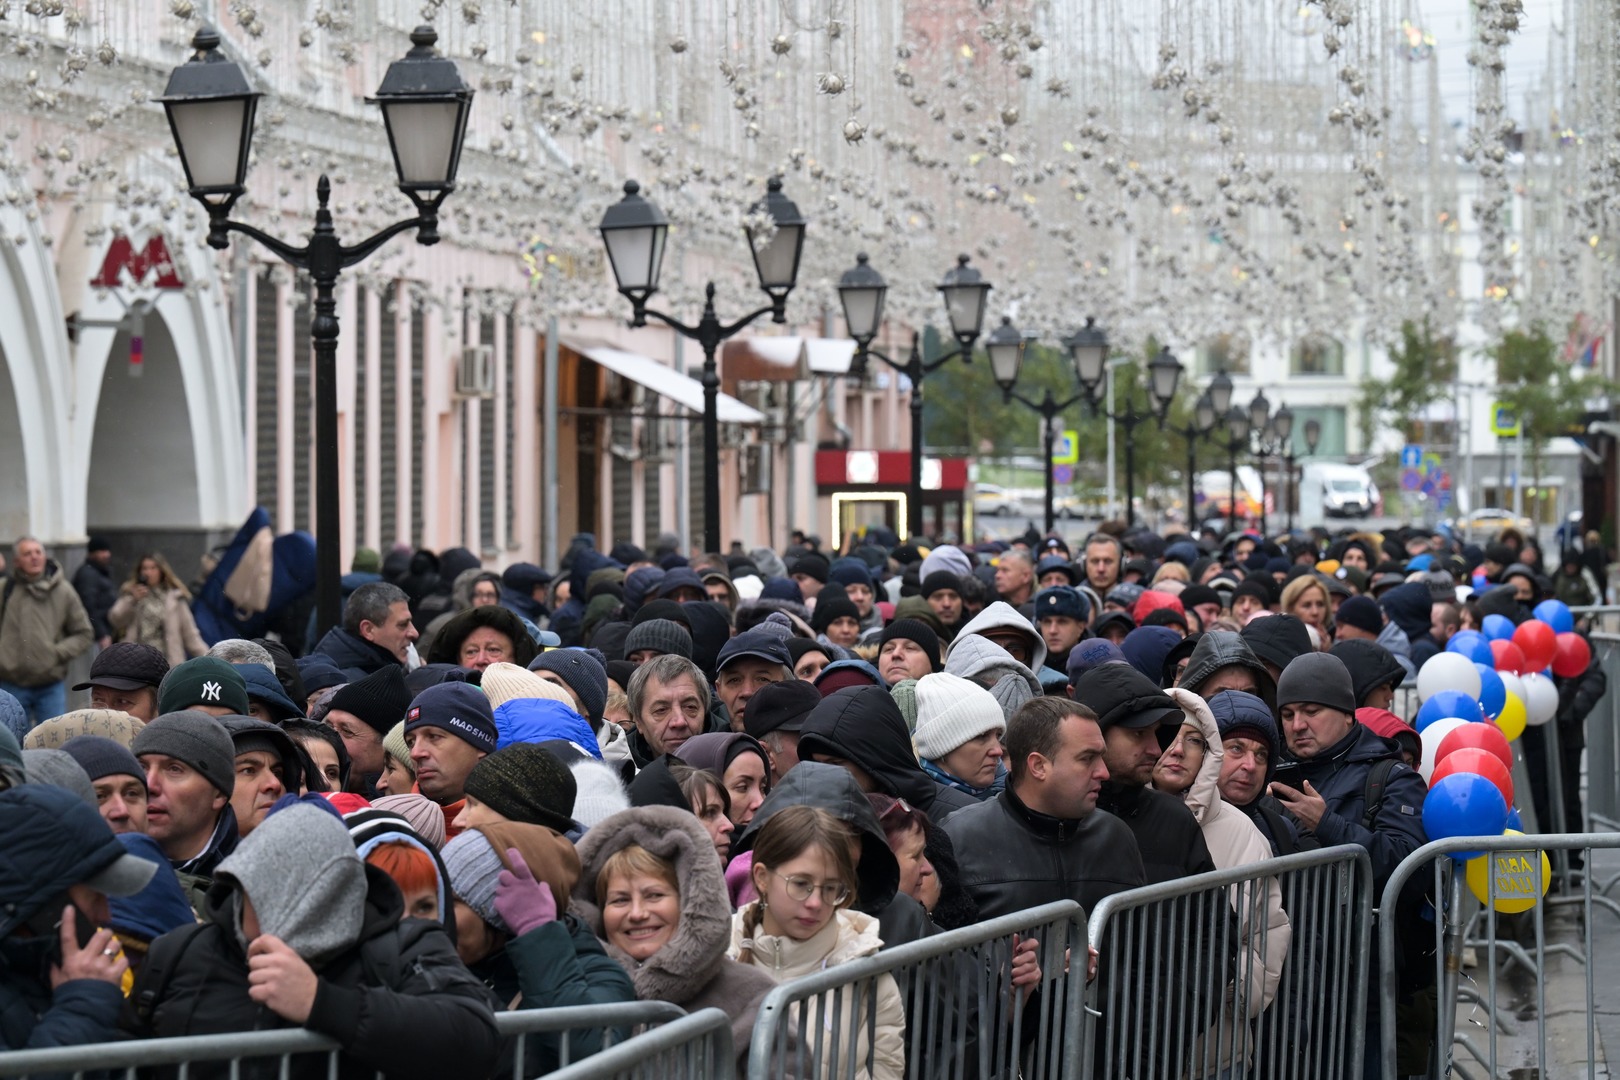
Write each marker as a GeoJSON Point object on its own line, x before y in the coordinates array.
{"type": "Point", "coordinates": [425, 104]}
{"type": "Point", "coordinates": [1275, 437]}
{"type": "Point", "coordinates": [1237, 438]}
{"type": "Point", "coordinates": [1198, 427]}
{"type": "Point", "coordinates": [634, 232]}
{"type": "Point", "coordinates": [861, 292]}
{"type": "Point", "coordinates": [1006, 349]}
{"type": "Point", "coordinates": [1164, 374]}
{"type": "Point", "coordinates": [1313, 434]}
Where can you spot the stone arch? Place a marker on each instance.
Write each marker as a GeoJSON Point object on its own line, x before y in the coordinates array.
{"type": "Point", "coordinates": [35, 393]}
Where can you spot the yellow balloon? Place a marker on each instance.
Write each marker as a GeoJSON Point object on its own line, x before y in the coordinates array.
{"type": "Point", "coordinates": [1519, 882]}
{"type": "Point", "coordinates": [1512, 718]}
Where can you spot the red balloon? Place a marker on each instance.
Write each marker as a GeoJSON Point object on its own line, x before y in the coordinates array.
{"type": "Point", "coordinates": [1480, 762]}
{"type": "Point", "coordinates": [1487, 737]}
{"type": "Point", "coordinates": [1509, 657]}
{"type": "Point", "coordinates": [1571, 654]}
{"type": "Point", "coordinates": [1538, 643]}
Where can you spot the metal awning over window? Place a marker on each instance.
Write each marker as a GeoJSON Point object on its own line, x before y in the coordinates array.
{"type": "Point", "coordinates": [785, 359]}
{"type": "Point", "coordinates": [662, 380]}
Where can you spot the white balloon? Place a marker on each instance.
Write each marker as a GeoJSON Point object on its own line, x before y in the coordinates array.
{"type": "Point", "coordinates": [1447, 671]}
{"type": "Point", "coordinates": [1541, 699]}
{"type": "Point", "coordinates": [1432, 736]}
{"type": "Point", "coordinates": [1514, 684]}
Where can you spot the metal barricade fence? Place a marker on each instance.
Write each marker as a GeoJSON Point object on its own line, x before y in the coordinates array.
{"type": "Point", "coordinates": [1603, 742]}
{"type": "Point", "coordinates": [696, 1047]}
{"type": "Point", "coordinates": [1519, 970]}
{"type": "Point", "coordinates": [1259, 971]}
{"type": "Point", "coordinates": [963, 1018]}
{"type": "Point", "coordinates": [277, 1050]}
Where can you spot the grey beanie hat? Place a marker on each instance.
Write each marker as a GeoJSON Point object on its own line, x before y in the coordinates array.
{"type": "Point", "coordinates": [99, 756]}
{"type": "Point", "coordinates": [474, 870]}
{"type": "Point", "coordinates": [661, 635]}
{"type": "Point", "coordinates": [58, 768]}
{"type": "Point", "coordinates": [1318, 679]}
{"type": "Point", "coordinates": [583, 673]}
{"type": "Point", "coordinates": [195, 738]}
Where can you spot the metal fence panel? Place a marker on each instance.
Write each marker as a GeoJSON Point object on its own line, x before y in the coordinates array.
{"type": "Point", "coordinates": [274, 1052]}
{"type": "Point", "coordinates": [696, 1047]}
{"type": "Point", "coordinates": [1257, 971]}
{"type": "Point", "coordinates": [1603, 742]}
{"type": "Point", "coordinates": [964, 1019]}
{"type": "Point", "coordinates": [1519, 968]}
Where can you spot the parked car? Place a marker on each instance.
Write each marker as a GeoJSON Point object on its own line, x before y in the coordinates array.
{"type": "Point", "coordinates": [1488, 521]}
{"type": "Point", "coordinates": [994, 500]}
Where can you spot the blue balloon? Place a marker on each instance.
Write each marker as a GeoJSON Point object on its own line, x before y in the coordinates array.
{"type": "Point", "coordinates": [1556, 614]}
{"type": "Point", "coordinates": [1472, 644]}
{"type": "Point", "coordinates": [1449, 703]}
{"type": "Point", "coordinates": [1464, 804]}
{"type": "Point", "coordinates": [1492, 691]}
{"type": "Point", "coordinates": [1515, 822]}
{"type": "Point", "coordinates": [1498, 628]}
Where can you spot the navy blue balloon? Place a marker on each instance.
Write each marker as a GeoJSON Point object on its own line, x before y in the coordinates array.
{"type": "Point", "coordinates": [1556, 614]}
{"type": "Point", "coordinates": [1472, 644]}
{"type": "Point", "coordinates": [1447, 704]}
{"type": "Point", "coordinates": [1492, 691]}
{"type": "Point", "coordinates": [1497, 628]}
{"type": "Point", "coordinates": [1464, 804]}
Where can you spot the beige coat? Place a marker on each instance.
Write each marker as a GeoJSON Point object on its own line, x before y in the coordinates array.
{"type": "Point", "coordinates": [43, 626]}
{"type": "Point", "coordinates": [1233, 840]}
{"type": "Point", "coordinates": [181, 641]}
{"type": "Point", "coordinates": [848, 935]}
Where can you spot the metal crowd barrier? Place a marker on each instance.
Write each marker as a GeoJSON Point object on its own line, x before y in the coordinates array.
{"type": "Point", "coordinates": [281, 1047]}
{"type": "Point", "coordinates": [1188, 985]}
{"type": "Point", "coordinates": [1603, 742]}
{"type": "Point", "coordinates": [1513, 955]}
{"type": "Point", "coordinates": [962, 1016]}
{"type": "Point", "coordinates": [696, 1047]}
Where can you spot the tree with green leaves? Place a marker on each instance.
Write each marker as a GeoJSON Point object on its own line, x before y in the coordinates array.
{"type": "Point", "coordinates": [1425, 366]}
{"type": "Point", "coordinates": [1547, 395]}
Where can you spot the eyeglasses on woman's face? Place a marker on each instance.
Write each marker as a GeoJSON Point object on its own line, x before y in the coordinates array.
{"type": "Point", "coordinates": [800, 889]}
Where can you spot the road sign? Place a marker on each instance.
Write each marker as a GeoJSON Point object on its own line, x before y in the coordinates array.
{"type": "Point", "coordinates": [1504, 420]}
{"type": "Point", "coordinates": [1411, 480]}
{"type": "Point", "coordinates": [1411, 456]}
{"type": "Point", "coordinates": [1066, 451]}
{"type": "Point", "coordinates": [1063, 474]}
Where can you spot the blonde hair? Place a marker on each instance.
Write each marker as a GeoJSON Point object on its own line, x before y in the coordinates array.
{"type": "Point", "coordinates": [627, 862]}
{"type": "Point", "coordinates": [1298, 588]}
{"type": "Point", "coordinates": [789, 833]}
{"type": "Point", "coordinates": [1172, 571]}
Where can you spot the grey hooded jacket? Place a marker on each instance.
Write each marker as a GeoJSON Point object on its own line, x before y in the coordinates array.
{"type": "Point", "coordinates": [982, 661]}
{"type": "Point", "coordinates": [1223, 648]}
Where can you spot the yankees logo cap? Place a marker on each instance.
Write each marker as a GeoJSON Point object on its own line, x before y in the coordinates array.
{"type": "Point", "coordinates": [206, 681]}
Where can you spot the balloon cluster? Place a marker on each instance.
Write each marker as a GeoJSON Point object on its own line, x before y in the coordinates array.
{"type": "Point", "coordinates": [1478, 696]}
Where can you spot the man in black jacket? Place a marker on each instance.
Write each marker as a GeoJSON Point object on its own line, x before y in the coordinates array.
{"type": "Point", "coordinates": [861, 728]}
{"type": "Point", "coordinates": [298, 932]}
{"type": "Point", "coordinates": [1042, 838]}
{"type": "Point", "coordinates": [1137, 719]}
{"type": "Point", "coordinates": [94, 584]}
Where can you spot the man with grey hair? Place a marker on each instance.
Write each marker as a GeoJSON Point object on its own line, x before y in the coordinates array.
{"type": "Point", "coordinates": [1015, 580]}
{"type": "Point", "coordinates": [43, 627]}
{"type": "Point", "coordinates": [235, 650]}
{"type": "Point", "coordinates": [669, 703]}
{"type": "Point", "coordinates": [376, 631]}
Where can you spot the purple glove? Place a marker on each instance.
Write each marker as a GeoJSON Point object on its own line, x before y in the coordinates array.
{"type": "Point", "coordinates": [522, 902]}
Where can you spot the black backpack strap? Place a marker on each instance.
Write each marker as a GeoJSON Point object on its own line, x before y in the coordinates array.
{"type": "Point", "coordinates": [1377, 781]}
{"type": "Point", "coordinates": [159, 967]}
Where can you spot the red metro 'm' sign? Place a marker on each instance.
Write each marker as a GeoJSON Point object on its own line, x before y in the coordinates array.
{"type": "Point", "coordinates": [152, 259]}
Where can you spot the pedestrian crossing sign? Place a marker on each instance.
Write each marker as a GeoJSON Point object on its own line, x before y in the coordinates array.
{"type": "Point", "coordinates": [1066, 450]}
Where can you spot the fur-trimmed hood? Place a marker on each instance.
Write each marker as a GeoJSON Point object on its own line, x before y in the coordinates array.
{"type": "Point", "coordinates": [697, 951]}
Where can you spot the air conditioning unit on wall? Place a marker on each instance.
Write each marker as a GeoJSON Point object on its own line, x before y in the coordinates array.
{"type": "Point", "coordinates": [475, 372]}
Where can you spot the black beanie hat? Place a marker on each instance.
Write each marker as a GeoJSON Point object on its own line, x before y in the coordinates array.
{"type": "Point", "coordinates": [939, 581]}
{"type": "Point", "coordinates": [527, 784]}
{"type": "Point", "coordinates": [918, 631]}
{"type": "Point", "coordinates": [833, 604]}
{"type": "Point", "coordinates": [379, 700]}
{"type": "Point", "coordinates": [661, 609]}
{"type": "Point", "coordinates": [812, 564]}
{"type": "Point", "coordinates": [1256, 587]}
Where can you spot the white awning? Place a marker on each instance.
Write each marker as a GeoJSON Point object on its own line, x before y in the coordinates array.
{"type": "Point", "coordinates": [829, 356]}
{"type": "Point", "coordinates": [662, 380]}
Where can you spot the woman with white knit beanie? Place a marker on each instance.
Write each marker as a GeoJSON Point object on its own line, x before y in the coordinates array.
{"type": "Point", "coordinates": [958, 735]}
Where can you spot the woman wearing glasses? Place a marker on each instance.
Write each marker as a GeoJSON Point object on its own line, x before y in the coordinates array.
{"type": "Point", "coordinates": [652, 890]}
{"type": "Point", "coordinates": [804, 873]}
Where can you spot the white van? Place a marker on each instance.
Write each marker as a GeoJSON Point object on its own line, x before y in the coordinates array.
{"type": "Point", "coordinates": [1331, 490]}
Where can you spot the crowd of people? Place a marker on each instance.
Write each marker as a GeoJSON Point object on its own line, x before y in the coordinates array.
{"type": "Point", "coordinates": [688, 779]}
